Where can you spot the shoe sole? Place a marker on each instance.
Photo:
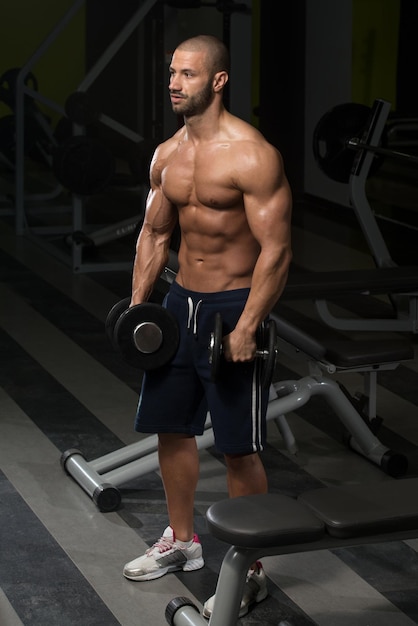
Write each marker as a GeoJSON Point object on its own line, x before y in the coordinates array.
{"type": "Point", "coordinates": [259, 598]}
{"type": "Point", "coordinates": [153, 575]}
{"type": "Point", "coordinates": [190, 566]}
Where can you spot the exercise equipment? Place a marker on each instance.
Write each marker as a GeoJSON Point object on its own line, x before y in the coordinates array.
{"type": "Point", "coordinates": [38, 135]}
{"type": "Point", "coordinates": [36, 146]}
{"type": "Point", "coordinates": [341, 133]}
{"type": "Point", "coordinates": [274, 524]}
{"type": "Point", "coordinates": [84, 165]}
{"type": "Point", "coordinates": [325, 355]}
{"type": "Point", "coordinates": [80, 110]}
{"type": "Point", "coordinates": [331, 137]}
{"type": "Point", "coordinates": [82, 182]}
{"type": "Point", "coordinates": [398, 284]}
{"type": "Point", "coordinates": [112, 317]}
{"type": "Point", "coordinates": [8, 87]}
{"type": "Point", "coordinates": [146, 335]}
{"type": "Point", "coordinates": [266, 337]}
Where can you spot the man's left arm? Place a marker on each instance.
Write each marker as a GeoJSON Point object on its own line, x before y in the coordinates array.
{"type": "Point", "coordinates": [268, 206]}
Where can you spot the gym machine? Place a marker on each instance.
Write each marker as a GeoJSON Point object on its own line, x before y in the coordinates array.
{"type": "Point", "coordinates": [349, 143]}
{"type": "Point", "coordinates": [39, 140]}
{"type": "Point", "coordinates": [73, 158]}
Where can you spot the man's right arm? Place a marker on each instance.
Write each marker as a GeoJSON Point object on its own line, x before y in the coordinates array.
{"type": "Point", "coordinates": [153, 242]}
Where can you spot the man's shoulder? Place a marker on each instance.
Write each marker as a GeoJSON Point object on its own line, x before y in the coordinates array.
{"type": "Point", "coordinates": [166, 147]}
{"type": "Point", "coordinates": [245, 131]}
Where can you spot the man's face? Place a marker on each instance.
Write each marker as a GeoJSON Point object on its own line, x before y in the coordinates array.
{"type": "Point", "coordinates": [190, 85]}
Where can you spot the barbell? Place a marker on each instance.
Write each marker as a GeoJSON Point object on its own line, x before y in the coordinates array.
{"type": "Point", "coordinates": [338, 137]}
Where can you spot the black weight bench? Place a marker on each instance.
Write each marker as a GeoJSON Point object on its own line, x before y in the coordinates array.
{"type": "Point", "coordinates": [273, 524]}
{"type": "Point", "coordinates": [326, 351]}
{"type": "Point", "coordinates": [375, 281]}
{"type": "Point", "coordinates": [398, 284]}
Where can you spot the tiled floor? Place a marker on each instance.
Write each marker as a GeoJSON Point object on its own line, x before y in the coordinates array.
{"type": "Point", "coordinates": [62, 386]}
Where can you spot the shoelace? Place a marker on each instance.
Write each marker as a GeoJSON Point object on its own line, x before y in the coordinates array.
{"type": "Point", "coordinates": [249, 574]}
{"type": "Point", "coordinates": [252, 571]}
{"type": "Point", "coordinates": [162, 545]}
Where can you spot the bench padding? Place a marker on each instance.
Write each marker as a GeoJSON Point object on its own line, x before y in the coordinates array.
{"type": "Point", "coordinates": [361, 510]}
{"type": "Point", "coordinates": [262, 521]}
{"type": "Point", "coordinates": [343, 512]}
{"type": "Point", "coordinates": [381, 280]}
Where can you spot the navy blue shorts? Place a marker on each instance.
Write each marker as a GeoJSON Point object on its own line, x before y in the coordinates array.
{"type": "Point", "coordinates": [177, 397]}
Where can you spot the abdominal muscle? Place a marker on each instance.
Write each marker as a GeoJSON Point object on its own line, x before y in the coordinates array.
{"type": "Point", "coordinates": [221, 259]}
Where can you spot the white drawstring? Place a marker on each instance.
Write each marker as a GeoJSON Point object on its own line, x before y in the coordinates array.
{"type": "Point", "coordinates": [195, 316]}
{"type": "Point", "coordinates": [190, 306]}
{"type": "Point", "coordinates": [193, 312]}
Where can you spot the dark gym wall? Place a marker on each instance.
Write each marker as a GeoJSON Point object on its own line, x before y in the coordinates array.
{"type": "Point", "coordinates": [385, 48]}
{"type": "Point", "coordinates": [407, 84]}
{"type": "Point", "coordinates": [282, 82]}
{"type": "Point", "coordinates": [114, 92]}
{"type": "Point", "coordinates": [375, 35]}
{"type": "Point", "coordinates": [328, 82]}
{"type": "Point", "coordinates": [25, 25]}
{"type": "Point", "coordinates": [130, 88]}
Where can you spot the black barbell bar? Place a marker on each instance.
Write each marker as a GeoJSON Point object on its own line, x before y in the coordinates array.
{"type": "Point", "coordinates": [357, 144]}
{"type": "Point", "coordinates": [340, 133]}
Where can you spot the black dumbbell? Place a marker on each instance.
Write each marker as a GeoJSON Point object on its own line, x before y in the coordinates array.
{"type": "Point", "coordinates": [146, 335]}
{"type": "Point", "coordinates": [268, 351]}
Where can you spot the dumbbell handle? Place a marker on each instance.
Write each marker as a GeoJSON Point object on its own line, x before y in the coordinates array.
{"type": "Point", "coordinates": [262, 354]}
{"type": "Point", "coordinates": [268, 355]}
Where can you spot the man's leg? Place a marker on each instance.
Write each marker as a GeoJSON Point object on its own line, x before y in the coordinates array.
{"type": "Point", "coordinates": [179, 548]}
{"type": "Point", "coordinates": [179, 465]}
{"type": "Point", "coordinates": [245, 475]}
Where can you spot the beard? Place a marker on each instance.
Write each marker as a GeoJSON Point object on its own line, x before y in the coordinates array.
{"type": "Point", "coordinates": [196, 104]}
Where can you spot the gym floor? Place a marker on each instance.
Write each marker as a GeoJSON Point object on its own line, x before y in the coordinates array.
{"type": "Point", "coordinates": [62, 386]}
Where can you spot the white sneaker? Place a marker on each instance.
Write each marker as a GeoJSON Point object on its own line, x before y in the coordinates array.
{"type": "Point", "coordinates": [255, 590]}
{"type": "Point", "coordinates": [165, 556]}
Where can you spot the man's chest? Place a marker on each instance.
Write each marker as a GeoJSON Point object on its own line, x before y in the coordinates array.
{"type": "Point", "coordinates": [205, 179]}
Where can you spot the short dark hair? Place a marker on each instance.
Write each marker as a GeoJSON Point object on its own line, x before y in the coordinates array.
{"type": "Point", "coordinates": [217, 52]}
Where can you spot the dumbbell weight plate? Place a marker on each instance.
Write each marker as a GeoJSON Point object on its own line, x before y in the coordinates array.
{"type": "Point", "coordinates": [132, 332]}
{"type": "Point", "coordinates": [269, 362]}
{"type": "Point", "coordinates": [83, 164]}
{"type": "Point", "coordinates": [80, 110]}
{"type": "Point", "coordinates": [268, 339]}
{"type": "Point", "coordinates": [112, 317]}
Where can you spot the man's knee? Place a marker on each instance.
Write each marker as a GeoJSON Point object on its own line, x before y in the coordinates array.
{"type": "Point", "coordinates": [239, 461]}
